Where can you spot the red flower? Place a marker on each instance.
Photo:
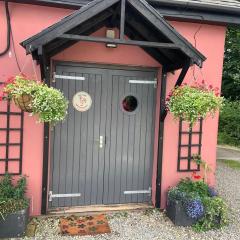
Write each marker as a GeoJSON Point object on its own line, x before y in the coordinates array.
{"type": "Point", "coordinates": [195, 176]}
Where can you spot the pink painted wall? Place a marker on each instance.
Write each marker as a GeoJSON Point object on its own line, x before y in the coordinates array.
{"type": "Point", "coordinates": [25, 23]}
{"type": "Point", "coordinates": [210, 41]}
{"type": "Point", "coordinates": [28, 24]}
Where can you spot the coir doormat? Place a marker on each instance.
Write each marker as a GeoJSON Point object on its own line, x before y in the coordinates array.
{"type": "Point", "coordinates": [89, 225]}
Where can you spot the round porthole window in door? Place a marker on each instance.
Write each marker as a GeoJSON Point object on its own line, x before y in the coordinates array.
{"type": "Point", "coordinates": [129, 104]}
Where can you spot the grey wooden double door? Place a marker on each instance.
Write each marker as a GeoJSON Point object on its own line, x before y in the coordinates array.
{"type": "Point", "coordinates": [105, 154]}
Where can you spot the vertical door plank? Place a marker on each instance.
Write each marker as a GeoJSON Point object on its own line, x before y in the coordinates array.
{"type": "Point", "coordinates": [90, 141]}
{"type": "Point", "coordinates": [108, 139]}
{"type": "Point", "coordinates": [96, 135]}
{"type": "Point", "coordinates": [113, 138]}
{"type": "Point", "coordinates": [77, 143]}
{"type": "Point", "coordinates": [63, 149]}
{"type": "Point", "coordinates": [119, 136]}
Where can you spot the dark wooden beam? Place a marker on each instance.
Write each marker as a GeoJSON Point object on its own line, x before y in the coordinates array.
{"type": "Point", "coordinates": [160, 140]}
{"type": "Point", "coordinates": [68, 23]}
{"type": "Point", "coordinates": [183, 73]}
{"type": "Point", "coordinates": [148, 35]}
{"type": "Point", "coordinates": [153, 52]}
{"type": "Point", "coordinates": [161, 25]}
{"type": "Point", "coordinates": [119, 41]}
{"type": "Point", "coordinates": [113, 21]}
{"type": "Point", "coordinates": [122, 21]}
{"type": "Point", "coordinates": [178, 83]}
{"type": "Point", "coordinates": [65, 45]}
{"type": "Point", "coordinates": [90, 24]}
{"type": "Point", "coordinates": [45, 75]}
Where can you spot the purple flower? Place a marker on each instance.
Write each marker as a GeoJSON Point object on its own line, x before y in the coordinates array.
{"type": "Point", "coordinates": [194, 209]}
{"type": "Point", "coordinates": [212, 192]}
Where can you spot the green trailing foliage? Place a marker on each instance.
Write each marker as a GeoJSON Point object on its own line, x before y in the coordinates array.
{"type": "Point", "coordinates": [48, 103]}
{"type": "Point", "coordinates": [216, 214]}
{"type": "Point", "coordinates": [193, 102]}
{"type": "Point", "coordinates": [12, 196]}
{"type": "Point", "coordinates": [199, 188]}
{"type": "Point", "coordinates": [229, 124]}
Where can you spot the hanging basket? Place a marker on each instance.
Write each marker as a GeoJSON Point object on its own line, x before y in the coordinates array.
{"type": "Point", "coordinates": [24, 102]}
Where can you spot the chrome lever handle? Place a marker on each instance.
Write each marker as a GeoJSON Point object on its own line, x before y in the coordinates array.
{"type": "Point", "coordinates": [101, 142]}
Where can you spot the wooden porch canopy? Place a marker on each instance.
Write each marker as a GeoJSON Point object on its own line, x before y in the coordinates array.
{"type": "Point", "coordinates": [136, 19]}
{"type": "Point", "coordinates": [143, 26]}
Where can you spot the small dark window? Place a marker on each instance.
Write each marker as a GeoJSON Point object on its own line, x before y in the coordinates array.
{"type": "Point", "coordinates": [130, 103]}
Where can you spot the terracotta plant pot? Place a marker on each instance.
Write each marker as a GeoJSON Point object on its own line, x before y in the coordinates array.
{"type": "Point", "coordinates": [24, 102]}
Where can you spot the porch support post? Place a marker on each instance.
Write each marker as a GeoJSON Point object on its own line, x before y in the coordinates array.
{"type": "Point", "coordinates": [160, 140]}
{"type": "Point", "coordinates": [122, 22]}
{"type": "Point", "coordinates": [45, 75]}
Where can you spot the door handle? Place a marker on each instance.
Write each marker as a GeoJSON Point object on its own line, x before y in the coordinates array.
{"type": "Point", "coordinates": [101, 142]}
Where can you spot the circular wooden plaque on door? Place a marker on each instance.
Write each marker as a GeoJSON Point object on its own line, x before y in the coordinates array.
{"type": "Point", "coordinates": [82, 101]}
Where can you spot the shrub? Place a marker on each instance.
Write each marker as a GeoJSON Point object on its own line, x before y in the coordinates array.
{"type": "Point", "coordinates": [175, 194]}
{"type": "Point", "coordinates": [229, 128]}
{"type": "Point", "coordinates": [198, 188]}
{"type": "Point", "coordinates": [216, 214]}
{"type": "Point", "coordinates": [200, 202]}
{"type": "Point", "coordinates": [12, 197]}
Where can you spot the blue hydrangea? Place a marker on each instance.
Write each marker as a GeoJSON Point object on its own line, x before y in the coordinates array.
{"type": "Point", "coordinates": [194, 209]}
{"type": "Point", "coordinates": [212, 192]}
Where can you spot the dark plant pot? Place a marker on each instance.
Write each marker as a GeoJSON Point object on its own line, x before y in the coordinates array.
{"type": "Point", "coordinates": [15, 224]}
{"type": "Point", "coordinates": [177, 214]}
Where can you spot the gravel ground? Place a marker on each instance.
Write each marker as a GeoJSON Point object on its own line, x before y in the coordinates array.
{"type": "Point", "coordinates": [153, 225]}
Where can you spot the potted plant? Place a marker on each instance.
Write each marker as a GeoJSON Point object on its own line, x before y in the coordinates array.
{"type": "Point", "coordinates": [14, 207]}
{"type": "Point", "coordinates": [184, 208]}
{"type": "Point", "coordinates": [194, 203]}
{"type": "Point", "coordinates": [37, 98]}
{"type": "Point", "coordinates": [192, 102]}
